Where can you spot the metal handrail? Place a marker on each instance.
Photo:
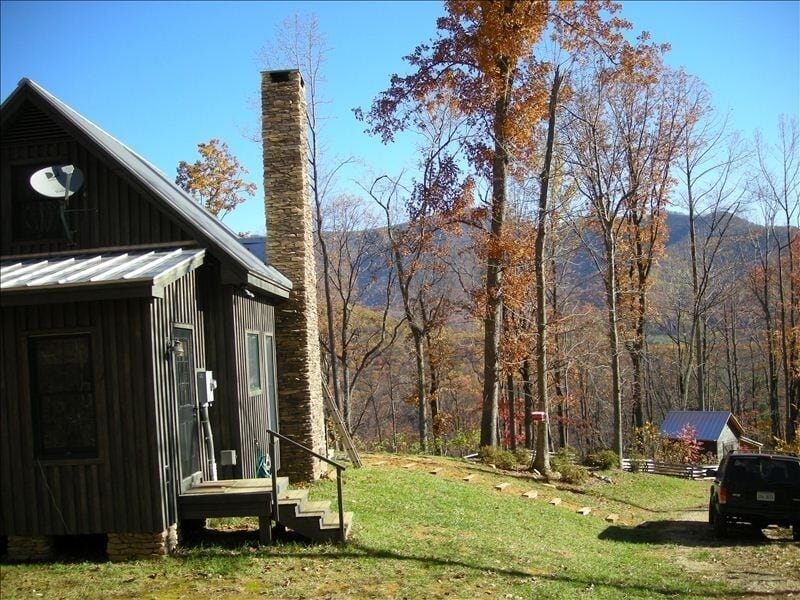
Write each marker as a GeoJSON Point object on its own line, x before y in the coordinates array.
{"type": "Point", "coordinates": [339, 468]}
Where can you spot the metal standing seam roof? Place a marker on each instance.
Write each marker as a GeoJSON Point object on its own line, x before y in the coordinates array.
{"type": "Point", "coordinates": [154, 267]}
{"type": "Point", "coordinates": [206, 226]}
{"type": "Point", "coordinates": [708, 424]}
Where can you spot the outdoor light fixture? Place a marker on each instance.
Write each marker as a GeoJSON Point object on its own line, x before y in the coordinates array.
{"type": "Point", "coordinates": [178, 348]}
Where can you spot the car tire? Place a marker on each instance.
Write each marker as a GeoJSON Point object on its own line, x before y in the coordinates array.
{"type": "Point", "coordinates": [718, 524]}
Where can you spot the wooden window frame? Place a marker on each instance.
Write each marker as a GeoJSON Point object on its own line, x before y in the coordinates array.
{"type": "Point", "coordinates": [65, 455]}
{"type": "Point", "coordinates": [271, 378]}
{"type": "Point", "coordinates": [259, 363]}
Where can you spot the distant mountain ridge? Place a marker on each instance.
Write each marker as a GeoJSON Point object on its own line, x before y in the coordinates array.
{"type": "Point", "coordinates": [738, 231]}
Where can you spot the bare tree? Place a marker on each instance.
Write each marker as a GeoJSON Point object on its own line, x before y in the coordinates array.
{"type": "Point", "coordinates": [621, 139]}
{"type": "Point", "coordinates": [433, 205]}
{"type": "Point", "coordinates": [362, 287]}
{"type": "Point", "coordinates": [298, 43]}
{"type": "Point", "coordinates": [778, 177]}
{"type": "Point", "coordinates": [710, 192]}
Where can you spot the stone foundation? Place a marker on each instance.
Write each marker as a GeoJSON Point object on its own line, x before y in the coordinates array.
{"type": "Point", "coordinates": [30, 547]}
{"type": "Point", "coordinates": [132, 546]}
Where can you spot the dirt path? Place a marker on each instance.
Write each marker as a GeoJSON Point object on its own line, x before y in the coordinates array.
{"type": "Point", "coordinates": [765, 563]}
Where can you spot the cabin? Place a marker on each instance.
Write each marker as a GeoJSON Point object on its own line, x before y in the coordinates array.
{"type": "Point", "coordinates": [145, 352]}
{"type": "Point", "coordinates": [718, 431]}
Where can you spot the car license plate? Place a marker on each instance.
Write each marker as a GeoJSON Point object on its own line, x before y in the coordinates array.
{"type": "Point", "coordinates": [765, 496]}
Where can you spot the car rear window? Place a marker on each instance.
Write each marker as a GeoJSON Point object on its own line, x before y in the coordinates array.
{"type": "Point", "coordinates": [759, 471]}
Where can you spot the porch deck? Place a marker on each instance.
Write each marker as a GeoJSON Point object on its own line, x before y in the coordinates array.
{"type": "Point", "coordinates": [233, 498]}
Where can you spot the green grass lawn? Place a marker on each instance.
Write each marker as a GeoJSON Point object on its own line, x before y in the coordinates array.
{"type": "Point", "coordinates": [418, 535]}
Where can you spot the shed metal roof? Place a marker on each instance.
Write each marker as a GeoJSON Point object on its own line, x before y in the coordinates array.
{"type": "Point", "coordinates": [708, 424]}
{"type": "Point", "coordinates": [152, 268]}
{"type": "Point", "coordinates": [209, 230]}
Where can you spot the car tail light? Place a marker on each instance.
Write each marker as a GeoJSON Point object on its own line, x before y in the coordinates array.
{"type": "Point", "coordinates": [722, 495]}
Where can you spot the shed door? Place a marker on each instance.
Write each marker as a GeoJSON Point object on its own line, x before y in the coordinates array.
{"type": "Point", "coordinates": [188, 425]}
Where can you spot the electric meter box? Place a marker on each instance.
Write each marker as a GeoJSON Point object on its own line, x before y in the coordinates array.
{"type": "Point", "coordinates": [227, 458]}
{"type": "Point", "coordinates": [206, 384]}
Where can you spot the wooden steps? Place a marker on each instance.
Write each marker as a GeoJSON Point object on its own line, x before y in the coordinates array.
{"type": "Point", "coordinates": [233, 498]}
{"type": "Point", "coordinates": [313, 519]}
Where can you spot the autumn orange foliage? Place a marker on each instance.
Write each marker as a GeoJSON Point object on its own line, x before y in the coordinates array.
{"type": "Point", "coordinates": [215, 180]}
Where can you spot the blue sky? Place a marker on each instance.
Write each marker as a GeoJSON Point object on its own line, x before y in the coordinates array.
{"type": "Point", "coordinates": [163, 76]}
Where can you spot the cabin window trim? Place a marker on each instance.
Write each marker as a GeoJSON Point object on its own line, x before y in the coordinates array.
{"type": "Point", "coordinates": [271, 379]}
{"type": "Point", "coordinates": [254, 364]}
{"type": "Point", "coordinates": [66, 454]}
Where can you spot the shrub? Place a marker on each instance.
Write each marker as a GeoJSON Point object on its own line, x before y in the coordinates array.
{"type": "Point", "coordinates": [604, 460]}
{"type": "Point", "coordinates": [572, 473]}
{"type": "Point", "coordinates": [466, 441]}
{"type": "Point", "coordinates": [502, 459]}
{"type": "Point", "coordinates": [565, 456]}
{"type": "Point", "coordinates": [523, 456]}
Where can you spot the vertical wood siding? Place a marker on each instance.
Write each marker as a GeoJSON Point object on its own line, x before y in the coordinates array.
{"type": "Point", "coordinates": [178, 307]}
{"type": "Point", "coordinates": [221, 359]}
{"type": "Point", "coordinates": [114, 492]}
{"type": "Point", "coordinates": [132, 485]}
{"type": "Point", "coordinates": [250, 314]}
{"type": "Point", "coordinates": [237, 418]}
{"type": "Point", "coordinates": [110, 211]}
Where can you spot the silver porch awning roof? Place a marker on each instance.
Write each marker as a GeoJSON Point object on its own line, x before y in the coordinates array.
{"type": "Point", "coordinates": [153, 269]}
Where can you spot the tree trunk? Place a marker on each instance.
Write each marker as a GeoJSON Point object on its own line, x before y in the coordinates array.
{"type": "Point", "coordinates": [493, 320]}
{"type": "Point", "coordinates": [512, 412]}
{"type": "Point", "coordinates": [433, 402]}
{"type": "Point", "coordinates": [377, 419]}
{"type": "Point", "coordinates": [559, 369]}
{"type": "Point", "coordinates": [393, 413]}
{"type": "Point", "coordinates": [527, 391]}
{"type": "Point", "coordinates": [346, 396]}
{"type": "Point", "coordinates": [419, 359]}
{"type": "Point", "coordinates": [541, 462]}
{"type": "Point", "coordinates": [613, 335]}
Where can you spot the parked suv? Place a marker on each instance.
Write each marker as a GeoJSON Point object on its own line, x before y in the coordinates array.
{"type": "Point", "coordinates": [760, 489]}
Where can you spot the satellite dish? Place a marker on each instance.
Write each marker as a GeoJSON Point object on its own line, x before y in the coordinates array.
{"type": "Point", "coordinates": [57, 181]}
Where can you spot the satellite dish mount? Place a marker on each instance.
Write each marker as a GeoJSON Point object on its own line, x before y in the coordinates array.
{"type": "Point", "coordinates": [59, 182]}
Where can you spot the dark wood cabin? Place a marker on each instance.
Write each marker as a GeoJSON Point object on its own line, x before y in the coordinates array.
{"type": "Point", "coordinates": [115, 302]}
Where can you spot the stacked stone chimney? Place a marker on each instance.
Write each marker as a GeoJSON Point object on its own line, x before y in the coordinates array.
{"type": "Point", "coordinates": [290, 249]}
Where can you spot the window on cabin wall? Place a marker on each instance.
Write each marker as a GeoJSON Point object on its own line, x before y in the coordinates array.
{"type": "Point", "coordinates": [63, 396]}
{"type": "Point", "coordinates": [255, 383]}
{"type": "Point", "coordinates": [34, 216]}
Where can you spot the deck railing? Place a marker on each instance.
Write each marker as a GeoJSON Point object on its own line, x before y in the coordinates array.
{"type": "Point", "coordinates": [339, 468]}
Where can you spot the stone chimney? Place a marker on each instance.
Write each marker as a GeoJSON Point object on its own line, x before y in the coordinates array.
{"type": "Point", "coordinates": [290, 249]}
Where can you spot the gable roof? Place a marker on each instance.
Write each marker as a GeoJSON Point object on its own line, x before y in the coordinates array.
{"type": "Point", "coordinates": [206, 228]}
{"type": "Point", "coordinates": [708, 424]}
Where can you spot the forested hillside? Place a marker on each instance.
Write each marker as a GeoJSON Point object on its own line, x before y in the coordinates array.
{"type": "Point", "coordinates": [583, 236]}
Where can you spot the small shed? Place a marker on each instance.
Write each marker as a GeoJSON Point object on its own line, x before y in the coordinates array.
{"type": "Point", "coordinates": [719, 431]}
